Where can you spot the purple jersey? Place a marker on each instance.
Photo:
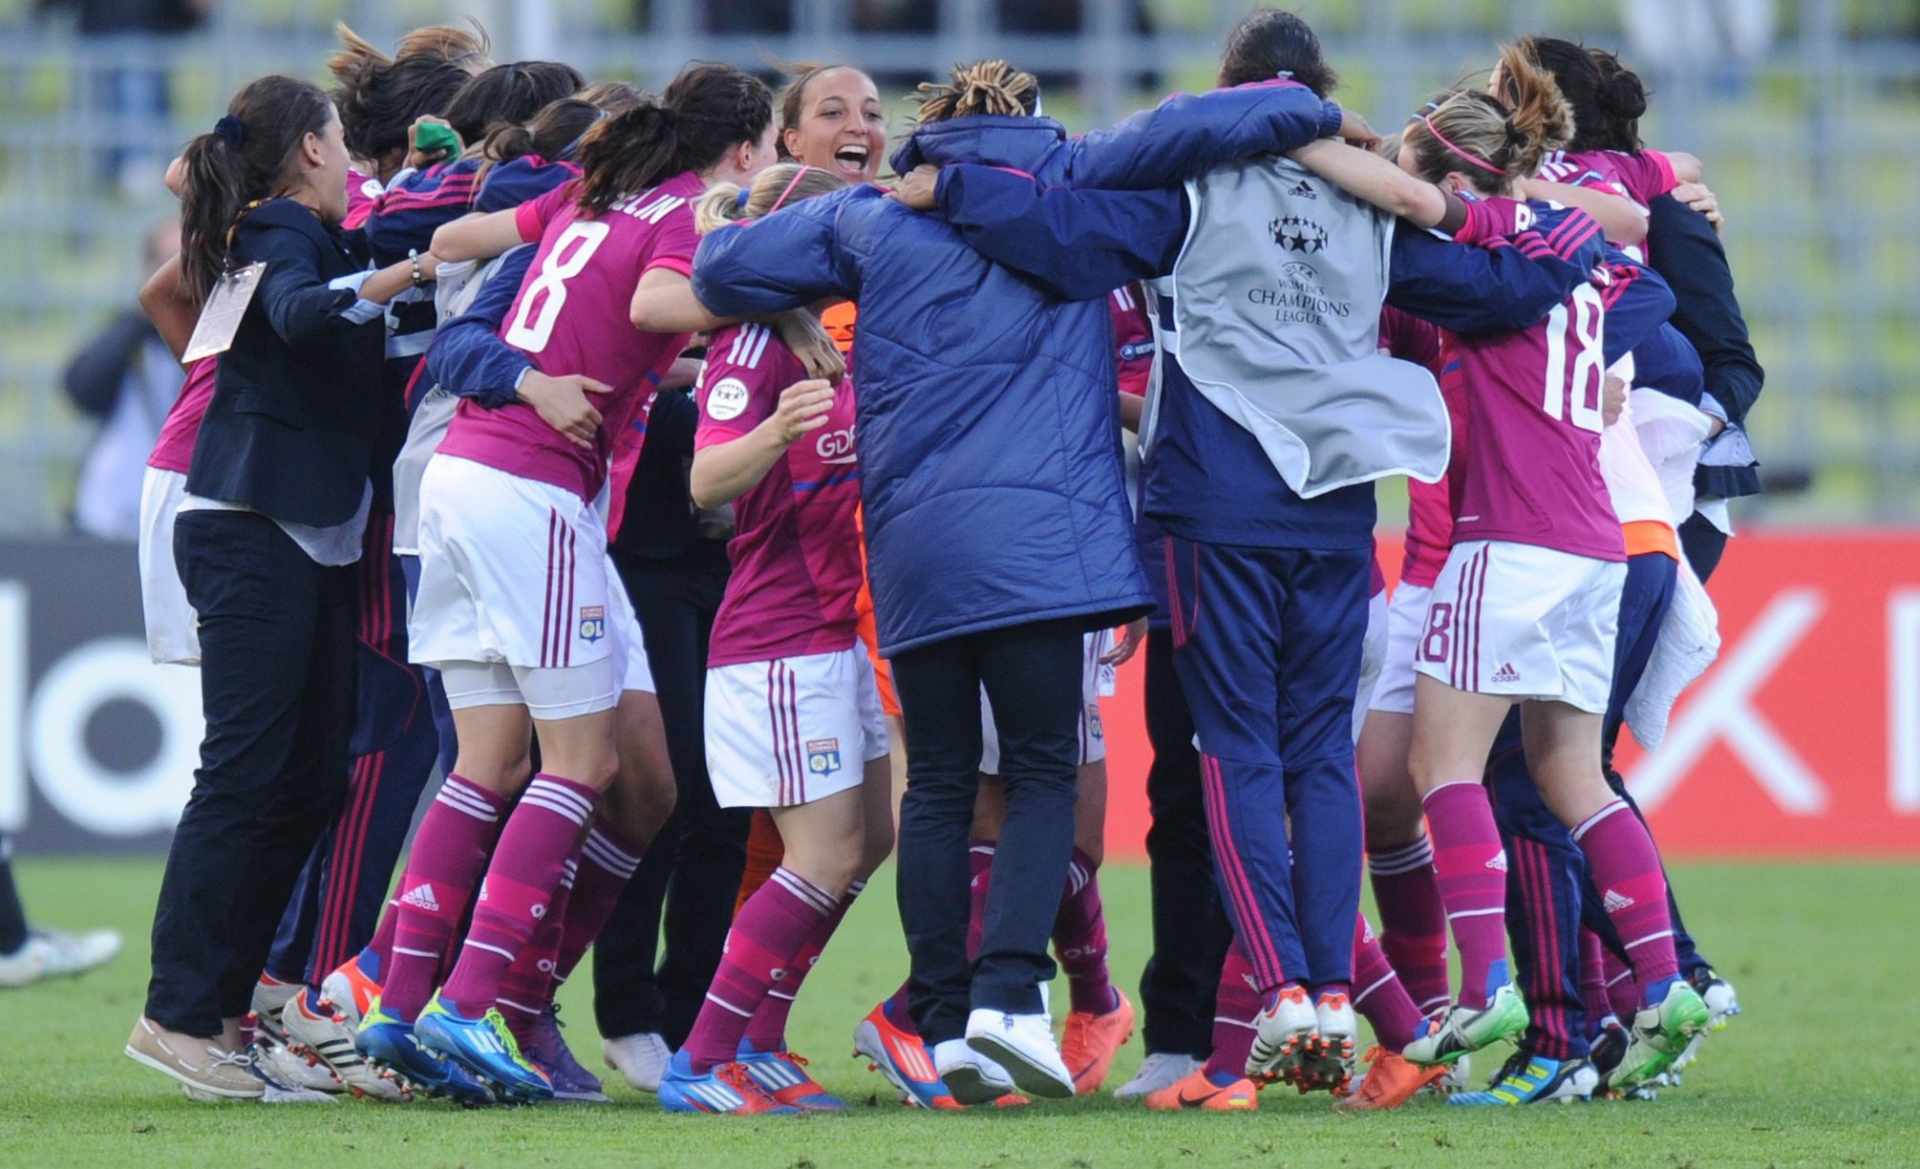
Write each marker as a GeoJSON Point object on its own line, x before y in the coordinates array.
{"type": "Point", "coordinates": [796, 545]}
{"type": "Point", "coordinates": [1529, 469]}
{"type": "Point", "coordinates": [1642, 177]}
{"type": "Point", "coordinates": [573, 317]}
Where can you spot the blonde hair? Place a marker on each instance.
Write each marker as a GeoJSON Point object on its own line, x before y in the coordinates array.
{"type": "Point", "coordinates": [984, 87]}
{"type": "Point", "coordinates": [780, 185]}
{"type": "Point", "coordinates": [1492, 142]}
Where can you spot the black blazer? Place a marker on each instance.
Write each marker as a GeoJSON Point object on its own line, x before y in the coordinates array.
{"type": "Point", "coordinates": [295, 409]}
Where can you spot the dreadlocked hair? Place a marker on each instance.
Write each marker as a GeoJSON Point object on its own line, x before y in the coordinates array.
{"type": "Point", "coordinates": [780, 185]}
{"type": "Point", "coordinates": [706, 111]}
{"type": "Point", "coordinates": [379, 96]}
{"type": "Point", "coordinates": [1492, 141]}
{"type": "Point", "coordinates": [984, 87]}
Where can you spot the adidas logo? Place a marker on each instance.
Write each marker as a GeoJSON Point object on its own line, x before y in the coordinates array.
{"type": "Point", "coordinates": [421, 897]}
{"type": "Point", "coordinates": [1499, 862]}
{"type": "Point", "coordinates": [1616, 901]}
{"type": "Point", "coordinates": [1506, 673]}
{"type": "Point", "coordinates": [1302, 191]}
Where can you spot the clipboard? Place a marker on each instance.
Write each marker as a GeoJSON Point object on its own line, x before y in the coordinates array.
{"type": "Point", "coordinates": [220, 316]}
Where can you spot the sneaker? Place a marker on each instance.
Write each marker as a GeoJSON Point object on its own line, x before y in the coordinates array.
{"type": "Point", "coordinates": [290, 1079]}
{"type": "Point", "coordinates": [970, 1076]}
{"type": "Point", "coordinates": [1687, 1055]}
{"type": "Point", "coordinates": [270, 997]}
{"type": "Point", "coordinates": [52, 954]}
{"type": "Point", "coordinates": [1458, 1030]}
{"type": "Point", "coordinates": [389, 1043]}
{"type": "Point", "coordinates": [899, 1055]}
{"type": "Point", "coordinates": [1282, 1031]}
{"type": "Point", "coordinates": [1159, 1070]}
{"type": "Point", "coordinates": [1458, 1077]}
{"type": "Point", "coordinates": [1722, 1003]}
{"type": "Point", "coordinates": [1389, 1081]}
{"type": "Point", "coordinates": [205, 1070]}
{"type": "Point", "coordinates": [484, 1046]}
{"type": "Point", "coordinates": [351, 992]}
{"type": "Point", "coordinates": [548, 1050]}
{"type": "Point", "coordinates": [725, 1088]}
{"type": "Point", "coordinates": [1658, 1035]}
{"type": "Point", "coordinates": [1215, 1092]}
{"type": "Point", "coordinates": [1330, 1053]}
{"type": "Point", "coordinates": [1527, 1078]}
{"type": "Point", "coordinates": [1023, 1045]}
{"type": "Point", "coordinates": [315, 1029]}
{"type": "Point", "coordinates": [1091, 1042]}
{"type": "Point", "coordinates": [783, 1075]}
{"type": "Point", "coordinates": [641, 1059]}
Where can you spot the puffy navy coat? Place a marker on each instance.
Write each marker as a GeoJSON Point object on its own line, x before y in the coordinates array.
{"type": "Point", "coordinates": [988, 425]}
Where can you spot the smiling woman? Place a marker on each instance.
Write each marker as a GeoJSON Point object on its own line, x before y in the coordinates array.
{"type": "Point", "coordinates": [831, 117]}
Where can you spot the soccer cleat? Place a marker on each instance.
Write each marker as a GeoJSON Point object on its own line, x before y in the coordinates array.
{"type": "Point", "coordinates": [641, 1059]}
{"type": "Point", "coordinates": [1091, 1041]}
{"type": "Point", "coordinates": [1215, 1092]}
{"type": "Point", "coordinates": [549, 1052]}
{"type": "Point", "coordinates": [351, 992]}
{"type": "Point", "coordinates": [390, 1043]}
{"type": "Point", "coordinates": [1458, 1031]}
{"type": "Point", "coordinates": [1282, 1031]}
{"type": "Point", "coordinates": [1527, 1078]}
{"type": "Point", "coordinates": [1329, 1060]}
{"type": "Point", "coordinates": [290, 1079]}
{"type": "Point", "coordinates": [484, 1046]}
{"type": "Point", "coordinates": [727, 1088]}
{"type": "Point", "coordinates": [53, 954]}
{"type": "Point", "coordinates": [1458, 1077]}
{"type": "Point", "coordinates": [1658, 1035]}
{"type": "Point", "coordinates": [270, 997]}
{"type": "Point", "coordinates": [1023, 1045]}
{"type": "Point", "coordinates": [316, 1030]}
{"type": "Point", "coordinates": [783, 1076]}
{"type": "Point", "coordinates": [970, 1076]}
{"type": "Point", "coordinates": [900, 1056]}
{"type": "Point", "coordinates": [1717, 993]}
{"type": "Point", "coordinates": [203, 1070]}
{"type": "Point", "coordinates": [1159, 1070]}
{"type": "Point", "coordinates": [1389, 1081]}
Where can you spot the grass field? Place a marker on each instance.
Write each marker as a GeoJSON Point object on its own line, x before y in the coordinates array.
{"type": "Point", "coordinates": [1824, 1067]}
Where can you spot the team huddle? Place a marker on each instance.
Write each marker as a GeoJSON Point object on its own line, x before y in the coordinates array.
{"type": "Point", "coordinates": [650, 467]}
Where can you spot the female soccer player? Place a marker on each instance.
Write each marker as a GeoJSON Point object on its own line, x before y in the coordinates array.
{"type": "Point", "coordinates": [515, 606]}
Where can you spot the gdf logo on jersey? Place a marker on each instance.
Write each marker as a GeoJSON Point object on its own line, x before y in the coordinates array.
{"type": "Point", "coordinates": [727, 400]}
{"type": "Point", "coordinates": [823, 756]}
{"type": "Point", "coordinates": [593, 623]}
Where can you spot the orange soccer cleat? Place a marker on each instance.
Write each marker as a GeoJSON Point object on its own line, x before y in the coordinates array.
{"type": "Point", "coordinates": [1390, 1081]}
{"type": "Point", "coordinates": [1209, 1092]}
{"type": "Point", "coordinates": [1092, 1041]}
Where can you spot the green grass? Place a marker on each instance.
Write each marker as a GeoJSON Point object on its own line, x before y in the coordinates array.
{"type": "Point", "coordinates": [1822, 1068]}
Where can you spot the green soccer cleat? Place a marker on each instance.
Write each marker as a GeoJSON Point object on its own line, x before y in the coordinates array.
{"type": "Point", "coordinates": [1659, 1035]}
{"type": "Point", "coordinates": [1460, 1031]}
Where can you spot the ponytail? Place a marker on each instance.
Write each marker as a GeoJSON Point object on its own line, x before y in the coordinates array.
{"type": "Point", "coordinates": [549, 135]}
{"type": "Point", "coordinates": [380, 97]}
{"type": "Point", "coordinates": [706, 111]}
{"type": "Point", "coordinates": [1623, 99]}
{"type": "Point", "coordinates": [1607, 98]}
{"type": "Point", "coordinates": [780, 185]}
{"type": "Point", "coordinates": [1491, 140]}
{"type": "Point", "coordinates": [984, 87]}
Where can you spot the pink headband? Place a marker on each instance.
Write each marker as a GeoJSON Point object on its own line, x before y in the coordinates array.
{"type": "Point", "coordinates": [1482, 163]}
{"type": "Point", "coordinates": [804, 168]}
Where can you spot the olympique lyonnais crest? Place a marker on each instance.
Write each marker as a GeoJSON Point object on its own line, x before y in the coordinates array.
{"type": "Point", "coordinates": [593, 623]}
{"type": "Point", "coordinates": [823, 756]}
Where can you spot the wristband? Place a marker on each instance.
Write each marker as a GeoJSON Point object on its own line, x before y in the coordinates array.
{"type": "Point", "coordinates": [413, 257]}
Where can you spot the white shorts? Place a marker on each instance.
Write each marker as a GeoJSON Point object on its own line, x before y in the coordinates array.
{"type": "Point", "coordinates": [792, 730]}
{"type": "Point", "coordinates": [1096, 679]}
{"type": "Point", "coordinates": [173, 629]}
{"type": "Point", "coordinates": [551, 695]}
{"type": "Point", "coordinates": [1524, 622]}
{"type": "Point", "coordinates": [1373, 656]}
{"type": "Point", "coordinates": [1406, 620]}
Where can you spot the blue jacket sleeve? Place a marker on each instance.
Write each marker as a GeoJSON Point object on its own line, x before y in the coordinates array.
{"type": "Point", "coordinates": [1667, 363]}
{"type": "Point", "coordinates": [1188, 135]}
{"type": "Point", "coordinates": [1689, 255]}
{"type": "Point", "coordinates": [300, 302]}
{"type": "Point", "coordinates": [467, 355]}
{"type": "Point", "coordinates": [790, 258]}
{"type": "Point", "coordinates": [1076, 244]}
{"type": "Point", "coordinates": [1638, 302]}
{"type": "Point", "coordinates": [1469, 289]}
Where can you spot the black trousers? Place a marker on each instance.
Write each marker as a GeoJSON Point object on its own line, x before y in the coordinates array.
{"type": "Point", "coordinates": [277, 686]}
{"type": "Point", "coordinates": [1190, 928]}
{"type": "Point", "coordinates": [1703, 544]}
{"type": "Point", "coordinates": [691, 872]}
{"type": "Point", "coordinates": [1032, 679]}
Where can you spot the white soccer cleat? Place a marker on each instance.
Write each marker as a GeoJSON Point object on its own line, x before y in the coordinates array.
{"type": "Point", "coordinates": [1161, 1069]}
{"type": "Point", "coordinates": [972, 1077]}
{"type": "Point", "coordinates": [281, 1067]}
{"type": "Point", "coordinates": [1330, 1054]}
{"type": "Point", "coordinates": [270, 997]}
{"type": "Point", "coordinates": [317, 1030]}
{"type": "Point", "coordinates": [1283, 1030]}
{"type": "Point", "coordinates": [640, 1059]}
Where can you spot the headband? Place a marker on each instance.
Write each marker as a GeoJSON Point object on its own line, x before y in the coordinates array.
{"type": "Point", "coordinates": [1482, 163]}
{"type": "Point", "coordinates": [231, 130]}
{"type": "Point", "coordinates": [791, 183]}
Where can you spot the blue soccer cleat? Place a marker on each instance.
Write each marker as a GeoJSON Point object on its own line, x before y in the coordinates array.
{"type": "Point", "coordinates": [725, 1089]}
{"type": "Point", "coordinates": [389, 1043]}
{"type": "Point", "coordinates": [485, 1047]}
{"type": "Point", "coordinates": [783, 1075]}
{"type": "Point", "coordinates": [1527, 1078]}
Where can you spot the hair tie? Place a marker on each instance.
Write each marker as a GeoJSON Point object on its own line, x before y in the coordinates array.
{"type": "Point", "coordinates": [791, 183]}
{"type": "Point", "coordinates": [745, 194]}
{"type": "Point", "coordinates": [1284, 75]}
{"type": "Point", "coordinates": [231, 130]}
{"type": "Point", "coordinates": [1482, 163]}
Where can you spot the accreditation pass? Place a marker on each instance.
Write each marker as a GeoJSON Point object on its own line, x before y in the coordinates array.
{"type": "Point", "coordinates": [220, 316]}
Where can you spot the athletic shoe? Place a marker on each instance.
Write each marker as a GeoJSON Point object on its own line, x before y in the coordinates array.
{"type": "Point", "coordinates": [1458, 1031]}
{"type": "Point", "coordinates": [725, 1088]}
{"type": "Point", "coordinates": [316, 1030]}
{"type": "Point", "coordinates": [288, 1079]}
{"type": "Point", "coordinates": [1658, 1036]}
{"type": "Point", "coordinates": [783, 1076]}
{"type": "Point", "coordinates": [1717, 993]}
{"type": "Point", "coordinates": [1389, 1081]}
{"type": "Point", "coordinates": [351, 992]}
{"type": "Point", "coordinates": [391, 1044]}
{"type": "Point", "coordinates": [900, 1056]}
{"type": "Point", "coordinates": [1329, 1062]}
{"type": "Point", "coordinates": [1091, 1042]}
{"type": "Point", "coordinates": [549, 1052]}
{"type": "Point", "coordinates": [1023, 1045]}
{"type": "Point", "coordinates": [204, 1070]}
{"type": "Point", "coordinates": [484, 1046]}
{"type": "Point", "coordinates": [52, 954]}
{"type": "Point", "coordinates": [640, 1059]}
{"type": "Point", "coordinates": [1687, 1055]}
{"type": "Point", "coordinates": [1282, 1031]}
{"type": "Point", "coordinates": [1216, 1092]}
{"type": "Point", "coordinates": [1458, 1077]}
{"type": "Point", "coordinates": [1527, 1078]}
{"type": "Point", "coordinates": [1159, 1070]}
{"type": "Point", "coordinates": [970, 1076]}
{"type": "Point", "coordinates": [270, 997]}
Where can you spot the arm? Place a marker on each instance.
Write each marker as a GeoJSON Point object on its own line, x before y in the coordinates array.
{"type": "Point", "coordinates": [1470, 289]}
{"type": "Point", "coordinates": [467, 356]}
{"type": "Point", "coordinates": [301, 305]}
{"type": "Point", "coordinates": [168, 306]}
{"type": "Point", "coordinates": [725, 471]}
{"type": "Point", "coordinates": [1372, 179]}
{"type": "Point", "coordinates": [789, 259]}
{"type": "Point", "coordinates": [95, 375]}
{"type": "Point", "coordinates": [478, 237]}
{"type": "Point", "coordinates": [1638, 303]}
{"type": "Point", "coordinates": [1623, 222]}
{"type": "Point", "coordinates": [1689, 255]}
{"type": "Point", "coordinates": [1132, 407]}
{"type": "Point", "coordinates": [1686, 167]}
{"type": "Point", "coordinates": [1188, 135]}
{"type": "Point", "coordinates": [663, 302]}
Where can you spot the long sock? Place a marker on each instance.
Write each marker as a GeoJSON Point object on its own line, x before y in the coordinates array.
{"type": "Point", "coordinates": [767, 1030]}
{"type": "Point", "coordinates": [1413, 922]}
{"type": "Point", "coordinates": [13, 918]}
{"type": "Point", "coordinates": [1633, 891]}
{"type": "Point", "coordinates": [449, 853]}
{"type": "Point", "coordinates": [1593, 980]}
{"type": "Point", "coordinates": [765, 851]}
{"type": "Point", "coordinates": [607, 862]}
{"type": "Point", "coordinates": [768, 933]}
{"type": "Point", "coordinates": [980, 856]}
{"type": "Point", "coordinates": [540, 838]}
{"type": "Point", "coordinates": [1235, 1005]}
{"type": "Point", "coordinates": [1080, 938]}
{"type": "Point", "coordinates": [895, 1009]}
{"type": "Point", "coordinates": [378, 955]}
{"type": "Point", "coordinates": [1382, 998]}
{"type": "Point", "coordinates": [1472, 868]}
{"type": "Point", "coordinates": [527, 986]}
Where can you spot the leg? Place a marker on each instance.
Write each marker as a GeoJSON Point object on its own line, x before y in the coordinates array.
{"type": "Point", "coordinates": [13, 918]}
{"type": "Point", "coordinates": [1413, 922]}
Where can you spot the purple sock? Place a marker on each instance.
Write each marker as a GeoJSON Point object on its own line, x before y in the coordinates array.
{"type": "Point", "coordinates": [767, 1030]}
{"type": "Point", "coordinates": [769, 932]}
{"type": "Point", "coordinates": [449, 854]}
{"type": "Point", "coordinates": [980, 856]}
{"type": "Point", "coordinates": [1382, 999]}
{"type": "Point", "coordinates": [1080, 939]}
{"type": "Point", "coordinates": [1633, 891]}
{"type": "Point", "coordinates": [1413, 922]}
{"type": "Point", "coordinates": [1235, 1005]}
{"type": "Point", "coordinates": [1472, 867]}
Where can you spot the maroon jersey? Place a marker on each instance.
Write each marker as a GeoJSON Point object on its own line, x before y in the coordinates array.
{"type": "Point", "coordinates": [1429, 512]}
{"type": "Point", "coordinates": [173, 451]}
